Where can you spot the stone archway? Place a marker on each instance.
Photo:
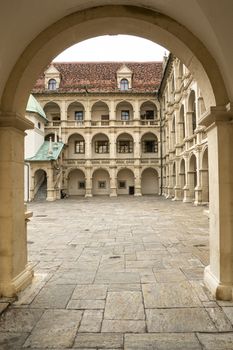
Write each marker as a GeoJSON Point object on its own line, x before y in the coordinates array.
{"type": "Point", "coordinates": [33, 59]}
{"type": "Point", "coordinates": [76, 183]}
{"type": "Point", "coordinates": [149, 181]}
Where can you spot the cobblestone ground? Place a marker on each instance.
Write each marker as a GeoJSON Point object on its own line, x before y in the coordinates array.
{"type": "Point", "coordinates": [122, 273]}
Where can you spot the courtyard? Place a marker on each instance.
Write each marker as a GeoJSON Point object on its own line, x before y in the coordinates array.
{"type": "Point", "coordinates": [117, 273]}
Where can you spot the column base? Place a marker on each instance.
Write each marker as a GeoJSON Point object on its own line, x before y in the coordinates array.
{"type": "Point", "coordinates": [113, 195]}
{"type": "Point", "coordinates": [137, 194]}
{"type": "Point", "coordinates": [219, 290]}
{"type": "Point", "coordinates": [88, 195]}
{"type": "Point", "coordinates": [20, 282]}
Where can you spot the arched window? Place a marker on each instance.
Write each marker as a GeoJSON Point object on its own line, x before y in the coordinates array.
{"type": "Point", "coordinates": [52, 84]}
{"type": "Point", "coordinates": [124, 85]}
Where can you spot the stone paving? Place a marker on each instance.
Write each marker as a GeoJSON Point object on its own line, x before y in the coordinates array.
{"type": "Point", "coordinates": [117, 273]}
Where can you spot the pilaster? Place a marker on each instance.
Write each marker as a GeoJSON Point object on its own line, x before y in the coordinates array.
{"type": "Point", "coordinates": [15, 273]}
{"type": "Point", "coordinates": [218, 275]}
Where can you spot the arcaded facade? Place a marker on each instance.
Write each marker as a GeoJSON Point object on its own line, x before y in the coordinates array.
{"type": "Point", "coordinates": [185, 149]}
{"type": "Point", "coordinates": [107, 116]}
{"type": "Point", "coordinates": [122, 129]}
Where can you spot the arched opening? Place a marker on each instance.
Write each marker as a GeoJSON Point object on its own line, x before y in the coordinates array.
{"type": "Point", "coordinates": [124, 113]}
{"type": "Point", "coordinates": [40, 185]}
{"type": "Point", "coordinates": [173, 133]}
{"type": "Point", "coordinates": [125, 145]}
{"type": "Point", "coordinates": [125, 182]}
{"type": "Point", "coordinates": [149, 144]}
{"type": "Point", "coordinates": [101, 183]}
{"type": "Point", "coordinates": [192, 176]}
{"type": "Point", "coordinates": [192, 113]}
{"type": "Point", "coordinates": [50, 136]}
{"type": "Point", "coordinates": [149, 181]}
{"type": "Point", "coordinates": [76, 183]}
{"type": "Point", "coordinates": [148, 113]}
{"type": "Point", "coordinates": [174, 175]}
{"type": "Point", "coordinates": [75, 112]}
{"type": "Point", "coordinates": [53, 113]}
{"type": "Point", "coordinates": [182, 176]}
{"type": "Point", "coordinates": [100, 146]}
{"type": "Point", "coordinates": [181, 124]}
{"type": "Point", "coordinates": [100, 114]}
{"type": "Point", "coordinates": [76, 147]}
{"type": "Point", "coordinates": [204, 172]}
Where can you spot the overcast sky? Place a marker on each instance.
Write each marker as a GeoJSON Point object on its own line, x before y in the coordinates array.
{"type": "Point", "coordinates": [113, 48]}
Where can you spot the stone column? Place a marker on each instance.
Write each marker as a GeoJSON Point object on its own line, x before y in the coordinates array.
{"type": "Point", "coordinates": [88, 146]}
{"type": "Point", "coordinates": [50, 184]}
{"type": "Point", "coordinates": [137, 181]}
{"type": "Point", "coordinates": [170, 181]}
{"type": "Point", "coordinates": [187, 198]}
{"type": "Point", "coordinates": [88, 182]}
{"type": "Point", "coordinates": [112, 113]}
{"type": "Point", "coordinates": [218, 275]}
{"type": "Point", "coordinates": [113, 182]}
{"type": "Point", "coordinates": [178, 194]}
{"type": "Point", "coordinates": [15, 274]}
{"type": "Point", "coordinates": [198, 188]}
{"type": "Point", "coordinates": [112, 146]}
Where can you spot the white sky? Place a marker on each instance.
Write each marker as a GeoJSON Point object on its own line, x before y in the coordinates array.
{"type": "Point", "coordinates": [113, 48]}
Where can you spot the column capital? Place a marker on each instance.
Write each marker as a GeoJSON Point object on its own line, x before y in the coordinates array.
{"type": "Point", "coordinates": [217, 114]}
{"type": "Point", "coordinates": [14, 120]}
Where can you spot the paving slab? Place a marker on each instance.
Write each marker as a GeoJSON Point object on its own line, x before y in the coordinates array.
{"type": "Point", "coordinates": [12, 340]}
{"type": "Point", "coordinates": [101, 340]}
{"type": "Point", "coordinates": [219, 341]}
{"type": "Point", "coordinates": [179, 320]}
{"type": "Point", "coordinates": [19, 320]}
{"type": "Point", "coordinates": [124, 306]}
{"type": "Point", "coordinates": [168, 341]}
{"type": "Point", "coordinates": [56, 328]}
{"type": "Point", "coordinates": [165, 295]}
{"type": "Point", "coordinates": [123, 326]}
{"type": "Point", "coordinates": [53, 296]}
{"type": "Point", "coordinates": [91, 321]}
{"type": "Point", "coordinates": [90, 292]}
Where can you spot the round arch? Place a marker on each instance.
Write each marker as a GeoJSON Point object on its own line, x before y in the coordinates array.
{"type": "Point", "coordinates": [149, 181]}
{"type": "Point", "coordinates": [113, 19]}
{"type": "Point", "coordinates": [100, 182]}
{"type": "Point", "coordinates": [125, 181]}
{"type": "Point", "coordinates": [76, 182]}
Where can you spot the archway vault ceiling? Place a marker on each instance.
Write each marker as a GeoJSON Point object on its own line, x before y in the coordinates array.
{"type": "Point", "coordinates": [209, 20]}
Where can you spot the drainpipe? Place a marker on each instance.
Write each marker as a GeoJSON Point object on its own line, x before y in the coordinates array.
{"type": "Point", "coordinates": [161, 149]}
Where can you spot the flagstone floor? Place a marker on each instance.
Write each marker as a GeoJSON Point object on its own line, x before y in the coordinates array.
{"type": "Point", "coordinates": [117, 273]}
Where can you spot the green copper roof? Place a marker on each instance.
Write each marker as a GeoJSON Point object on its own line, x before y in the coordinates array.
{"type": "Point", "coordinates": [34, 106]}
{"type": "Point", "coordinates": [48, 151]}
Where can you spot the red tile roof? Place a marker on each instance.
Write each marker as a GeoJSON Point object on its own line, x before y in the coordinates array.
{"type": "Point", "coordinates": [102, 77]}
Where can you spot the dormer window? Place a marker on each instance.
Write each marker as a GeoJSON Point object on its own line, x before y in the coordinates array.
{"type": "Point", "coordinates": [124, 85]}
{"type": "Point", "coordinates": [52, 84]}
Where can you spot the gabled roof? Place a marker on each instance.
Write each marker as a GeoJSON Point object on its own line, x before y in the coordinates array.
{"type": "Point", "coordinates": [102, 77]}
{"type": "Point", "coordinates": [52, 70]}
{"type": "Point", "coordinates": [45, 153]}
{"type": "Point", "coordinates": [124, 69]}
{"type": "Point", "coordinates": [34, 106]}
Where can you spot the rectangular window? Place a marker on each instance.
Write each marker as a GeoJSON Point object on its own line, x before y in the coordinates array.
{"type": "Point", "coordinates": [150, 146]}
{"type": "Point", "coordinates": [102, 147]}
{"type": "Point", "coordinates": [78, 115]}
{"type": "Point", "coordinates": [81, 185]}
{"type": "Point", "coordinates": [102, 184]}
{"type": "Point", "coordinates": [104, 117]}
{"type": "Point", "coordinates": [125, 146]}
{"type": "Point", "coordinates": [79, 147]}
{"type": "Point", "coordinates": [122, 184]}
{"type": "Point", "coordinates": [124, 115]}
